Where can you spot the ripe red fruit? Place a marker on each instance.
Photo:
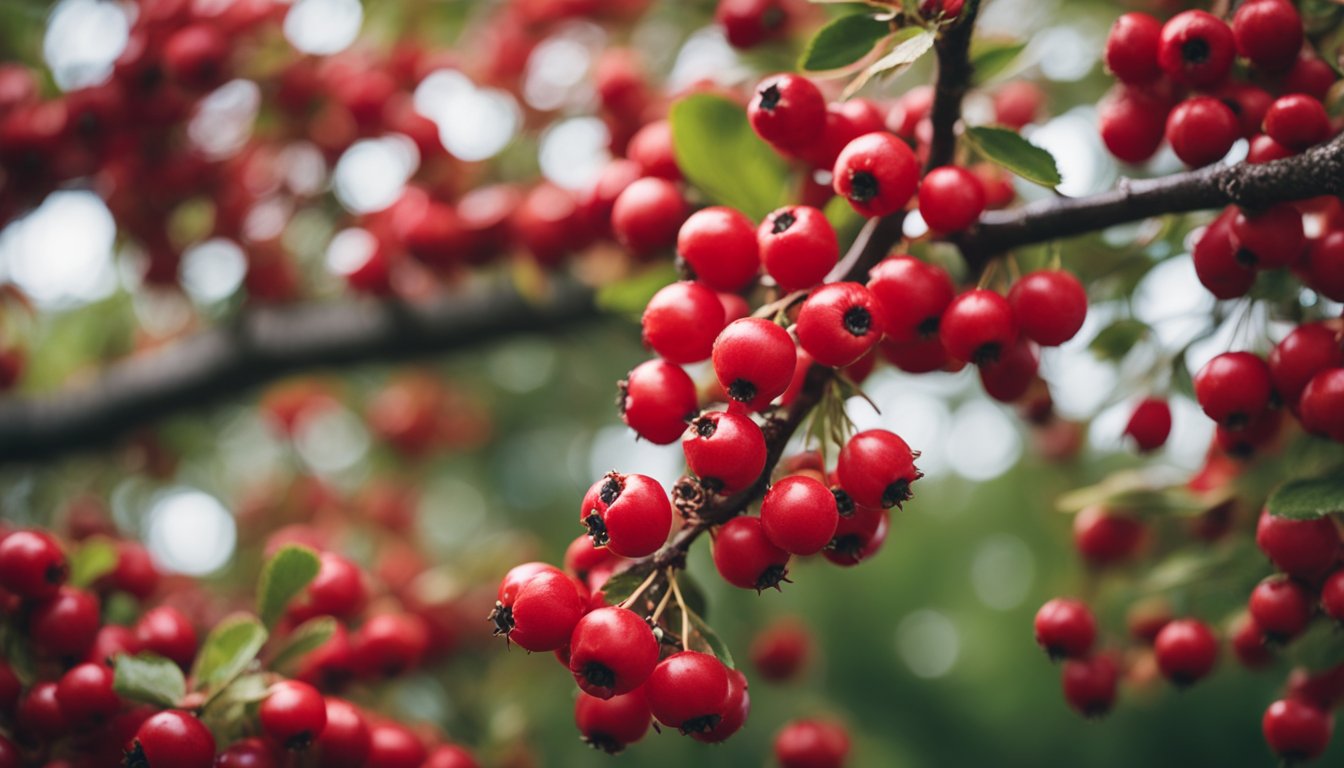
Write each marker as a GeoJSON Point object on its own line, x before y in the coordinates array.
{"type": "Point", "coordinates": [1266, 150]}
{"type": "Point", "coordinates": [1233, 388]}
{"type": "Point", "coordinates": [337, 590]}
{"type": "Point", "coordinates": [651, 147]}
{"type": "Point", "coordinates": [135, 574]}
{"type": "Point", "coordinates": [39, 713]}
{"type": "Point", "coordinates": [1323, 267]}
{"type": "Point", "coordinates": [647, 215]}
{"type": "Point", "coordinates": [799, 515]}
{"type": "Point", "coordinates": [1186, 651]}
{"type": "Point", "coordinates": [1133, 123]}
{"type": "Point", "coordinates": [543, 615]}
{"type": "Point", "coordinates": [628, 514]}
{"type": "Point", "coordinates": [1297, 121]}
{"type": "Point", "coordinates": [1065, 628]}
{"type": "Point", "coordinates": [688, 691]}
{"type": "Point", "coordinates": [1201, 130]}
{"type": "Point", "coordinates": [912, 294]}
{"type": "Point", "coordinates": [1269, 33]}
{"type": "Point", "coordinates": [394, 746]}
{"type": "Point", "coordinates": [950, 199]}
{"type": "Point", "coordinates": [86, 696]}
{"type": "Point", "coordinates": [725, 450]}
{"type": "Point", "coordinates": [1049, 305]}
{"type": "Point", "coordinates": [390, 643]}
{"type": "Point", "coordinates": [247, 753]}
{"type": "Point", "coordinates": [1216, 263]}
{"type": "Point", "coordinates": [877, 468]}
{"type": "Point", "coordinates": [787, 111]}
{"type": "Point", "coordinates": [919, 356]}
{"type": "Point", "coordinates": [1016, 104]}
{"type": "Point", "coordinates": [111, 641]}
{"type": "Point", "coordinates": [839, 323]}
{"type": "Point", "coordinates": [1332, 595]}
{"type": "Point", "coordinates": [1248, 643]}
{"type": "Point", "coordinates": [811, 744]}
{"type": "Point", "coordinates": [1248, 103]}
{"type": "Point", "coordinates": [1271, 238]}
{"type": "Point", "coordinates": [719, 244]}
{"type": "Point", "coordinates": [1011, 376]}
{"type": "Point", "coordinates": [858, 536]}
{"type": "Point", "coordinates": [612, 652]}
{"type": "Point", "coordinates": [599, 199]}
{"type": "Point", "coordinates": [1281, 607]}
{"type": "Point", "coordinates": [747, 23]}
{"type": "Point", "coordinates": [167, 632]}
{"type": "Point", "coordinates": [798, 247]}
{"type": "Point", "coordinates": [1296, 730]}
{"type": "Point", "coordinates": [1131, 49]}
{"type": "Point", "coordinates": [1321, 406]}
{"type": "Point", "coordinates": [1305, 549]}
{"type": "Point", "coordinates": [1308, 350]}
{"type": "Point", "coordinates": [977, 326]}
{"type": "Point", "coordinates": [10, 688]}
{"type": "Point", "coordinates": [1089, 684]}
{"type": "Point", "coordinates": [172, 739]}
{"type": "Point", "coordinates": [293, 713]}
{"type": "Point", "coordinates": [746, 558]}
{"type": "Point", "coordinates": [612, 724]}
{"type": "Point", "coordinates": [344, 742]}
{"type": "Point", "coordinates": [1150, 424]}
{"type": "Point", "coordinates": [32, 564]}
{"type": "Point", "coordinates": [780, 651]}
{"type": "Point", "coordinates": [1196, 48]}
{"type": "Point", "coordinates": [754, 361]}
{"type": "Point", "coordinates": [735, 711]}
{"type": "Point", "coordinates": [64, 627]}
{"type": "Point", "coordinates": [681, 322]}
{"type": "Point", "coordinates": [656, 399]}
{"type": "Point", "coordinates": [877, 173]}
{"type": "Point", "coordinates": [1105, 538]}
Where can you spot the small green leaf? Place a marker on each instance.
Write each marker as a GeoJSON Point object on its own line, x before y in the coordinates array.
{"type": "Point", "coordinates": [149, 679]}
{"type": "Point", "coordinates": [1320, 647]}
{"type": "Point", "coordinates": [282, 579]}
{"type": "Point", "coordinates": [1116, 340]}
{"type": "Point", "coordinates": [1008, 149]}
{"type": "Point", "coordinates": [909, 45]}
{"type": "Point", "coordinates": [991, 56]}
{"type": "Point", "coordinates": [227, 651]}
{"type": "Point", "coordinates": [620, 586]}
{"type": "Point", "coordinates": [306, 638]}
{"type": "Point", "coordinates": [629, 296]}
{"type": "Point", "coordinates": [94, 559]}
{"type": "Point", "coordinates": [704, 639]}
{"type": "Point", "coordinates": [692, 593]}
{"type": "Point", "coordinates": [842, 42]}
{"type": "Point", "coordinates": [1308, 498]}
{"type": "Point", "coordinates": [722, 156]}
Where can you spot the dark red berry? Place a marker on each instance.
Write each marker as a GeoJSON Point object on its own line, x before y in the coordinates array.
{"type": "Point", "coordinates": [1010, 376]}
{"type": "Point", "coordinates": [725, 450]}
{"type": "Point", "coordinates": [167, 632]}
{"type": "Point", "coordinates": [247, 753]}
{"type": "Point", "coordinates": [1186, 651]}
{"type": "Point", "coordinates": [1321, 406]}
{"type": "Point", "coordinates": [746, 558]}
{"type": "Point", "coordinates": [1311, 76]}
{"type": "Point", "coordinates": [1196, 48]}
{"type": "Point", "coordinates": [64, 627]}
{"type": "Point", "coordinates": [681, 322]}
{"type": "Point", "coordinates": [688, 691]}
{"type": "Point", "coordinates": [450, 756]}
{"type": "Point", "coordinates": [1133, 123]}
{"type": "Point", "coordinates": [1065, 628]}
{"type": "Point", "coordinates": [877, 173]}
{"type": "Point", "coordinates": [1244, 442]}
{"type": "Point", "coordinates": [735, 711]}
{"type": "Point", "coordinates": [1131, 49]}
{"type": "Point", "coordinates": [719, 244]}
{"type": "Point", "coordinates": [780, 651]}
{"type": "Point", "coordinates": [922, 356]}
{"type": "Point", "coordinates": [388, 644]}
{"type": "Point", "coordinates": [195, 55]}
{"type": "Point", "coordinates": [812, 744]}
{"type": "Point", "coordinates": [1269, 33]}
{"type": "Point", "coordinates": [1049, 305]}
{"type": "Point", "coordinates": [612, 652]}
{"type": "Point", "coordinates": [1248, 103]}
{"type": "Point", "coordinates": [1089, 684]}
{"type": "Point", "coordinates": [858, 536]}
{"type": "Point", "coordinates": [171, 739]}
{"type": "Point", "coordinates": [1332, 595]}
{"type": "Point", "coordinates": [1305, 549]}
{"type": "Point", "coordinates": [1216, 263]}
{"type": "Point", "coordinates": [799, 515]}
{"type": "Point", "coordinates": [977, 326]}
{"type": "Point", "coordinates": [1149, 424]}
{"type": "Point", "coordinates": [39, 716]}
{"type": "Point", "coordinates": [1201, 130]}
{"type": "Point", "coordinates": [394, 746]}
{"type": "Point", "coordinates": [111, 641]}
{"type": "Point", "coordinates": [1248, 643]}
{"type": "Point", "coordinates": [1104, 538]}
{"type": "Point", "coordinates": [543, 615]}
{"type": "Point", "coordinates": [337, 590]}
{"type": "Point", "coordinates": [1297, 121]}
{"type": "Point", "coordinates": [10, 688]}
{"type": "Point", "coordinates": [748, 23]}
{"type": "Point", "coordinates": [798, 247]}
{"type": "Point", "coordinates": [32, 564]}
{"type": "Point", "coordinates": [1296, 730]}
{"type": "Point", "coordinates": [651, 147]}
{"type": "Point", "coordinates": [1265, 149]}
{"type": "Point", "coordinates": [293, 713]}
{"type": "Point", "coordinates": [839, 323]}
{"type": "Point", "coordinates": [1281, 607]}
{"type": "Point", "coordinates": [612, 724]}
{"type": "Point", "coordinates": [754, 361]}
{"type": "Point", "coordinates": [912, 295]}
{"type": "Point", "coordinates": [877, 468]}
{"type": "Point", "coordinates": [1233, 388]}
{"type": "Point", "coordinates": [647, 215]}
{"type": "Point", "coordinates": [656, 400]}
{"type": "Point", "coordinates": [1323, 267]}
{"type": "Point", "coordinates": [950, 199]}
{"type": "Point", "coordinates": [344, 742]}
{"type": "Point", "coordinates": [629, 514]}
{"type": "Point", "coordinates": [1269, 239]}
{"type": "Point", "coordinates": [787, 111]}
{"type": "Point", "coordinates": [86, 696]}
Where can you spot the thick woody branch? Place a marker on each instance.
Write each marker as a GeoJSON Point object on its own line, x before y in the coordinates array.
{"type": "Point", "coordinates": [954, 79]}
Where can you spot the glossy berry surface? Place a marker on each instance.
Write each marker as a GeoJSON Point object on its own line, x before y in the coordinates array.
{"type": "Point", "coordinates": [1306, 351]}
{"type": "Point", "coordinates": [64, 627]}
{"type": "Point", "coordinates": [1321, 406]}
{"type": "Point", "coordinates": [1131, 48]}
{"type": "Point", "coordinates": [1201, 130]}
{"type": "Point", "coordinates": [171, 739]}
{"type": "Point", "coordinates": [1089, 684]}
{"type": "Point", "coordinates": [344, 742]}
{"type": "Point", "coordinates": [394, 746]}
{"type": "Point", "coordinates": [628, 514]}
{"type": "Point", "coordinates": [1268, 33]}
{"type": "Point", "coordinates": [912, 294]}
{"type": "Point", "coordinates": [1297, 121]}
{"type": "Point", "coordinates": [32, 564]}
{"type": "Point", "coordinates": [719, 244]}
{"type": "Point", "coordinates": [839, 323]}
{"type": "Point", "coordinates": [977, 326]}
{"type": "Point", "coordinates": [1305, 549]}
{"type": "Point", "coordinates": [951, 199]}
{"type": "Point", "coordinates": [1281, 607]}
{"type": "Point", "coordinates": [754, 360]}
{"type": "Point", "coordinates": [1103, 537]}
{"type": "Point", "coordinates": [735, 711]}
{"type": "Point", "coordinates": [877, 173]}
{"type": "Point", "coordinates": [681, 322]}
{"type": "Point", "coordinates": [798, 247]}
{"type": "Point", "coordinates": [647, 215]}
{"type": "Point", "coordinates": [1186, 651]}
{"type": "Point", "coordinates": [612, 724]}
{"type": "Point", "coordinates": [787, 111]}
{"type": "Point", "coordinates": [543, 616]}
{"type": "Point", "coordinates": [656, 400]}
{"type": "Point", "coordinates": [1049, 306]}
{"type": "Point", "coordinates": [1233, 388]}
{"type": "Point", "coordinates": [811, 744]}
{"type": "Point", "coordinates": [877, 468]}
{"type": "Point", "coordinates": [1269, 239]}
{"type": "Point", "coordinates": [1149, 424]}
{"type": "Point", "coordinates": [726, 450]}
{"type": "Point", "coordinates": [1296, 730]}
{"type": "Point", "coordinates": [745, 557]}
{"type": "Point", "coordinates": [688, 691]}
{"type": "Point", "coordinates": [1065, 628]}
{"type": "Point", "coordinates": [85, 695]}
{"type": "Point", "coordinates": [612, 652]}
{"type": "Point", "coordinates": [293, 713]}
{"type": "Point", "coordinates": [799, 515]}
{"type": "Point", "coordinates": [1196, 48]}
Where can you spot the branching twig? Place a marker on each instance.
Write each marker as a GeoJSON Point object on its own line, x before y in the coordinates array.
{"type": "Point", "coordinates": [954, 79]}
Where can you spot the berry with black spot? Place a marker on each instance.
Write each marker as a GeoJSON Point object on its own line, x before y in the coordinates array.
{"type": "Point", "coordinates": [171, 739]}
{"type": "Point", "coordinates": [1049, 306]}
{"type": "Point", "coordinates": [788, 111]}
{"type": "Point", "coordinates": [1233, 388]}
{"type": "Point", "coordinates": [65, 626]}
{"type": "Point", "coordinates": [877, 469]}
{"type": "Point", "coordinates": [681, 322]}
{"type": "Point", "coordinates": [1281, 607]}
{"type": "Point", "coordinates": [627, 513]}
{"type": "Point", "coordinates": [1010, 377]}
{"type": "Point", "coordinates": [735, 711]}
{"type": "Point", "coordinates": [1196, 48]}
{"type": "Point", "coordinates": [798, 247]}
{"type": "Point", "coordinates": [719, 244]}
{"type": "Point", "coordinates": [612, 724]}
{"type": "Point", "coordinates": [32, 564]}
{"type": "Point", "coordinates": [657, 399]}
{"type": "Point", "coordinates": [1321, 407]}
{"type": "Point", "coordinates": [1066, 629]}
{"type": "Point", "coordinates": [1270, 238]}
{"type": "Point", "coordinates": [978, 326]}
{"type": "Point", "coordinates": [688, 691]}
{"type": "Point", "coordinates": [1268, 33]}
{"type": "Point", "coordinates": [839, 323]}
{"type": "Point", "coordinates": [543, 615]}
{"type": "Point", "coordinates": [745, 557]}
{"type": "Point", "coordinates": [1089, 684]}
{"type": "Point", "coordinates": [858, 536]}
{"type": "Point", "coordinates": [725, 450]}
{"type": "Point", "coordinates": [754, 360]}
{"type": "Point", "coordinates": [1131, 49]}
{"type": "Point", "coordinates": [1216, 262]}
{"type": "Point", "coordinates": [1149, 424]}
{"type": "Point", "coordinates": [799, 515]}
{"type": "Point", "coordinates": [1186, 650]}
{"type": "Point", "coordinates": [912, 294]}
{"type": "Point", "coordinates": [877, 173]}
{"type": "Point", "coordinates": [612, 652]}
{"type": "Point", "coordinates": [1296, 730]}
{"type": "Point", "coordinates": [293, 713]}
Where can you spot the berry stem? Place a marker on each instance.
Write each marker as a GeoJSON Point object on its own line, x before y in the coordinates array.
{"type": "Point", "coordinates": [667, 595]}
{"type": "Point", "coordinates": [685, 612]}
{"type": "Point", "coordinates": [633, 596]}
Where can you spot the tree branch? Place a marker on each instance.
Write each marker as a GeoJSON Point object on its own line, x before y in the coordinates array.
{"type": "Point", "coordinates": [954, 79]}
{"type": "Point", "coordinates": [266, 343]}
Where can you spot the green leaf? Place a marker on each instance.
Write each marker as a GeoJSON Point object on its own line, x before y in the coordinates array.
{"type": "Point", "coordinates": [1009, 150]}
{"type": "Point", "coordinates": [306, 638]}
{"type": "Point", "coordinates": [149, 679]}
{"type": "Point", "coordinates": [282, 579]}
{"type": "Point", "coordinates": [622, 585]}
{"type": "Point", "coordinates": [1117, 339]}
{"type": "Point", "coordinates": [1320, 647]}
{"type": "Point", "coordinates": [692, 593]}
{"type": "Point", "coordinates": [227, 651]}
{"type": "Point", "coordinates": [991, 56]}
{"type": "Point", "coordinates": [909, 45]}
{"type": "Point", "coordinates": [1308, 498]}
{"type": "Point", "coordinates": [842, 42]}
{"type": "Point", "coordinates": [704, 639]}
{"type": "Point", "coordinates": [629, 296]}
{"type": "Point", "coordinates": [720, 154]}
{"type": "Point", "coordinates": [95, 558]}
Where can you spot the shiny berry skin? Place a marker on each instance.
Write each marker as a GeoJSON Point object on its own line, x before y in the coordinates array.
{"type": "Point", "coordinates": [1149, 425]}
{"type": "Point", "coordinates": [746, 558]}
{"type": "Point", "coordinates": [1248, 103]}
{"type": "Point", "coordinates": [1271, 238]}
{"type": "Point", "coordinates": [1065, 628]}
{"type": "Point", "coordinates": [64, 627]}
{"type": "Point", "coordinates": [39, 713]}
{"type": "Point", "coordinates": [656, 400]}
{"type": "Point", "coordinates": [1308, 350]}
{"type": "Point", "coordinates": [799, 515]}
{"type": "Point", "coordinates": [1296, 730]}
{"type": "Point", "coordinates": [754, 361]}
{"type": "Point", "coordinates": [394, 746]}
{"type": "Point", "coordinates": [1010, 377]}
{"type": "Point", "coordinates": [798, 247]}
{"type": "Point", "coordinates": [1049, 305]}
{"type": "Point", "coordinates": [1297, 121]}
{"type": "Point", "coordinates": [651, 147]}
{"type": "Point", "coordinates": [1323, 266]}
{"type": "Point", "coordinates": [612, 652]}
{"type": "Point", "coordinates": [858, 536]}
{"type": "Point", "coordinates": [735, 711]}
{"type": "Point", "coordinates": [787, 111]}
{"type": "Point", "coordinates": [912, 294]}
{"type": "Point", "coordinates": [780, 651]}
{"type": "Point", "coordinates": [1311, 76]}
{"type": "Point", "coordinates": [1233, 388]}
{"type": "Point", "coordinates": [1131, 49]}
{"type": "Point", "coordinates": [1321, 406]}
{"type": "Point", "coordinates": [1186, 651]}
{"type": "Point", "coordinates": [719, 244]}
{"type": "Point", "coordinates": [951, 199]}
{"type": "Point", "coordinates": [247, 753]}
{"type": "Point", "coordinates": [86, 696]}
{"type": "Point", "coordinates": [543, 616]}
{"type": "Point", "coordinates": [167, 632]}
{"type": "Point", "coordinates": [388, 644]}
{"type": "Point", "coordinates": [344, 742]}
{"type": "Point", "coordinates": [135, 574]}
{"type": "Point", "coordinates": [977, 326]}
{"type": "Point", "coordinates": [877, 173]}
{"type": "Point", "coordinates": [111, 641]}
{"type": "Point", "coordinates": [517, 577]}
{"type": "Point", "coordinates": [1105, 538]}
{"type": "Point", "coordinates": [1196, 48]}
{"type": "Point", "coordinates": [293, 713]}
{"type": "Point", "coordinates": [611, 725]}
{"type": "Point", "coordinates": [1281, 607]}
{"type": "Point", "coordinates": [32, 564]}
{"type": "Point", "coordinates": [1248, 643]}
{"type": "Point", "coordinates": [647, 215]}
{"type": "Point", "coordinates": [1216, 261]}
{"type": "Point", "coordinates": [450, 756]}
{"type": "Point", "coordinates": [876, 468]}
{"type": "Point", "coordinates": [1201, 130]}
{"type": "Point", "coordinates": [628, 514]}
{"type": "Point", "coordinates": [337, 590]}
{"type": "Point", "coordinates": [1266, 150]}
{"type": "Point", "coordinates": [1243, 443]}
{"type": "Point", "coordinates": [839, 323]}
{"type": "Point", "coordinates": [1269, 33]}
{"type": "Point", "coordinates": [811, 744]}
{"type": "Point", "coordinates": [1089, 684]}
{"type": "Point", "coordinates": [1133, 123]}
{"type": "Point", "coordinates": [1305, 549]}
{"type": "Point", "coordinates": [681, 322]}
{"type": "Point", "coordinates": [171, 739]}
{"type": "Point", "coordinates": [688, 691]}
{"type": "Point", "coordinates": [1332, 595]}
{"type": "Point", "coordinates": [921, 356]}
{"type": "Point", "coordinates": [725, 450]}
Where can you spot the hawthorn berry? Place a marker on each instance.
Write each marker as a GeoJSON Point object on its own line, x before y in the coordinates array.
{"type": "Point", "coordinates": [1149, 424]}
{"type": "Point", "coordinates": [65, 626]}
{"type": "Point", "coordinates": [1010, 376]}
{"type": "Point", "coordinates": [135, 572]}
{"type": "Point", "coordinates": [1332, 595]}
{"type": "Point", "coordinates": [166, 631]}
{"type": "Point", "coordinates": [1296, 730]}
{"type": "Point", "coordinates": [877, 173]}
{"type": "Point", "coordinates": [719, 244]}
{"type": "Point", "coordinates": [845, 122]}
{"type": "Point", "coordinates": [839, 323]}
{"type": "Point", "coordinates": [344, 742]}
{"type": "Point", "coordinates": [628, 514]}
{"type": "Point", "coordinates": [1269, 33]}
{"type": "Point", "coordinates": [735, 711]}
{"type": "Point", "coordinates": [293, 713]}
{"type": "Point", "coordinates": [1323, 689]}
{"type": "Point", "coordinates": [657, 399]}
{"type": "Point", "coordinates": [651, 148]}
{"type": "Point", "coordinates": [1248, 103]}
{"type": "Point", "coordinates": [1248, 643]}
{"type": "Point", "coordinates": [787, 111]}
{"type": "Point", "coordinates": [923, 356]}
{"type": "Point", "coordinates": [1104, 537]}
{"type": "Point", "coordinates": [171, 739]}
{"type": "Point", "coordinates": [1281, 607]}
{"type": "Point", "coordinates": [85, 695]}
{"type": "Point", "coordinates": [390, 643]}
{"type": "Point", "coordinates": [612, 652]}
{"type": "Point", "coordinates": [1297, 121]}
{"type": "Point", "coordinates": [1323, 266]}
{"type": "Point", "coordinates": [111, 641]}
{"type": "Point", "coordinates": [1309, 349]}
{"type": "Point", "coordinates": [1089, 684]}
{"type": "Point", "coordinates": [681, 322]}
{"type": "Point", "coordinates": [1304, 549]}
{"type": "Point", "coordinates": [1201, 130]}
{"type": "Point", "coordinates": [799, 515]}
{"type": "Point", "coordinates": [1243, 443]}
{"type": "Point", "coordinates": [1321, 406]}
{"type": "Point", "coordinates": [1133, 123]}
{"type": "Point", "coordinates": [1016, 105]}
{"type": "Point", "coordinates": [1131, 49]}
{"type": "Point", "coordinates": [977, 326]}
{"type": "Point", "coordinates": [647, 215]}
{"type": "Point", "coordinates": [39, 713]}
{"type": "Point", "coordinates": [247, 753]}
{"type": "Point", "coordinates": [1270, 238]}
{"type": "Point", "coordinates": [517, 577]}
{"type": "Point", "coordinates": [614, 723]}
{"type": "Point", "coordinates": [748, 23]}
{"type": "Point", "coordinates": [798, 247]}
{"type": "Point", "coordinates": [811, 744]}
{"type": "Point", "coordinates": [725, 450]}
{"type": "Point", "coordinates": [194, 56]}
{"type": "Point", "coordinates": [32, 564]}
{"type": "Point", "coordinates": [1065, 628]}
{"type": "Point", "coordinates": [1264, 149]}
{"type": "Point", "coordinates": [688, 691]}
{"type": "Point", "coordinates": [912, 294]}
{"type": "Point", "coordinates": [337, 590]}
{"type": "Point", "coordinates": [780, 651]}
{"type": "Point", "coordinates": [394, 746]}
{"type": "Point", "coordinates": [1233, 388]}
{"type": "Point", "coordinates": [1049, 306]}
{"type": "Point", "coordinates": [1186, 651]}
{"type": "Point", "coordinates": [1196, 48]}
{"type": "Point", "coordinates": [745, 557]}
{"type": "Point", "coordinates": [1216, 261]}
{"type": "Point", "coordinates": [543, 615]}
{"type": "Point", "coordinates": [754, 361]}
{"type": "Point", "coordinates": [598, 201]}
{"type": "Point", "coordinates": [876, 468]}
{"type": "Point", "coordinates": [950, 199]}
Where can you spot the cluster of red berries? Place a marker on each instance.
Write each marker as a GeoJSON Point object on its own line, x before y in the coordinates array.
{"type": "Point", "coordinates": [1178, 83]}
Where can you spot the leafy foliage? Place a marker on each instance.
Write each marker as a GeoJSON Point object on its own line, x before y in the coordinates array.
{"type": "Point", "coordinates": [1008, 149]}
{"type": "Point", "coordinates": [149, 679]}
{"type": "Point", "coordinates": [282, 579]}
{"type": "Point", "coordinates": [842, 42]}
{"type": "Point", "coordinates": [720, 154]}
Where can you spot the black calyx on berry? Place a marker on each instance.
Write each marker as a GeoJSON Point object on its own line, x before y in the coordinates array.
{"type": "Point", "coordinates": [782, 223]}
{"type": "Point", "coordinates": [863, 186]}
{"type": "Point", "coordinates": [1195, 50]}
{"type": "Point", "coordinates": [597, 530]}
{"type": "Point", "coordinates": [772, 577]}
{"type": "Point", "coordinates": [770, 96]}
{"type": "Point", "coordinates": [502, 616]}
{"type": "Point", "coordinates": [742, 390]}
{"type": "Point", "coordinates": [858, 321]}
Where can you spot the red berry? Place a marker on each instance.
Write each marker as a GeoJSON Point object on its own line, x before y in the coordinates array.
{"type": "Point", "coordinates": [247, 753]}
{"type": "Point", "coordinates": [111, 641]}
{"type": "Point", "coordinates": [978, 326]}
{"type": "Point", "coordinates": [647, 215]}
{"type": "Point", "coordinates": [735, 711]}
{"type": "Point", "coordinates": [656, 400]}
{"type": "Point", "coordinates": [845, 122]}
{"type": "Point", "coordinates": [1010, 377]}
{"type": "Point", "coordinates": [344, 743]}
{"type": "Point", "coordinates": [86, 696]}
{"type": "Point", "coordinates": [32, 564]}
{"type": "Point", "coordinates": [811, 744]}
{"type": "Point", "coordinates": [1248, 103]}
{"type": "Point", "coordinates": [1297, 731]}
{"type": "Point", "coordinates": [1308, 350]}
{"type": "Point", "coordinates": [858, 536]}
{"type": "Point", "coordinates": [450, 756]}
{"type": "Point", "coordinates": [543, 616]}
{"type": "Point", "coordinates": [1105, 538]}
{"type": "Point", "coordinates": [1049, 305]}
{"type": "Point", "coordinates": [688, 691]}
{"type": "Point", "coordinates": [1322, 404]}
{"type": "Point", "coordinates": [64, 627]}
{"type": "Point", "coordinates": [798, 247]}
{"type": "Point", "coordinates": [612, 724]}
{"type": "Point", "coordinates": [877, 468]}
{"type": "Point", "coordinates": [39, 713]}
{"type": "Point", "coordinates": [1323, 267]}
{"type": "Point", "coordinates": [1297, 121]}
{"type": "Point", "coordinates": [754, 361]}
{"type": "Point", "coordinates": [1149, 424]}
{"type": "Point", "coordinates": [1243, 443]}
{"type": "Point", "coordinates": [1281, 607]}
{"type": "Point", "coordinates": [1248, 643]}
{"type": "Point", "coordinates": [628, 514]}
{"type": "Point", "coordinates": [681, 322]}
{"type": "Point", "coordinates": [517, 577]}
{"type": "Point", "coordinates": [1216, 263]}
{"type": "Point", "coordinates": [293, 713]}
{"type": "Point", "coordinates": [172, 739]}
{"type": "Point", "coordinates": [719, 244]}
{"type": "Point", "coordinates": [337, 590]}
{"type": "Point", "coordinates": [780, 651]}
{"type": "Point", "coordinates": [950, 199]}
{"type": "Point", "coordinates": [1065, 628]}
{"type": "Point", "coordinates": [388, 644]}
{"type": "Point", "coordinates": [1201, 130]}
{"type": "Point", "coordinates": [912, 295]}
{"type": "Point", "coordinates": [1233, 388]}
{"type": "Point", "coordinates": [746, 558]}
{"type": "Point", "coordinates": [167, 632]}
{"type": "Point", "coordinates": [651, 147]}
{"type": "Point", "coordinates": [1271, 238]}
{"type": "Point", "coordinates": [787, 111]}
{"type": "Point", "coordinates": [1196, 48]}
{"type": "Point", "coordinates": [1269, 33]}
{"type": "Point", "coordinates": [1131, 49]}
{"type": "Point", "coordinates": [922, 356]}
{"type": "Point", "coordinates": [394, 746]}
{"type": "Point", "coordinates": [599, 200]}
{"type": "Point", "coordinates": [799, 515]}
{"type": "Point", "coordinates": [612, 652]}
{"type": "Point", "coordinates": [1186, 651]}
{"type": "Point", "coordinates": [1323, 689]}
{"type": "Point", "coordinates": [1332, 595]}
{"type": "Point", "coordinates": [1311, 76]}
{"type": "Point", "coordinates": [725, 450]}
{"type": "Point", "coordinates": [1305, 549]}
{"type": "Point", "coordinates": [1016, 104]}
{"type": "Point", "coordinates": [10, 688]}
{"type": "Point", "coordinates": [839, 323]}
{"type": "Point", "coordinates": [1265, 149]}
{"type": "Point", "coordinates": [1089, 684]}
{"type": "Point", "coordinates": [877, 173]}
{"type": "Point", "coordinates": [747, 23]}
{"type": "Point", "coordinates": [1133, 123]}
